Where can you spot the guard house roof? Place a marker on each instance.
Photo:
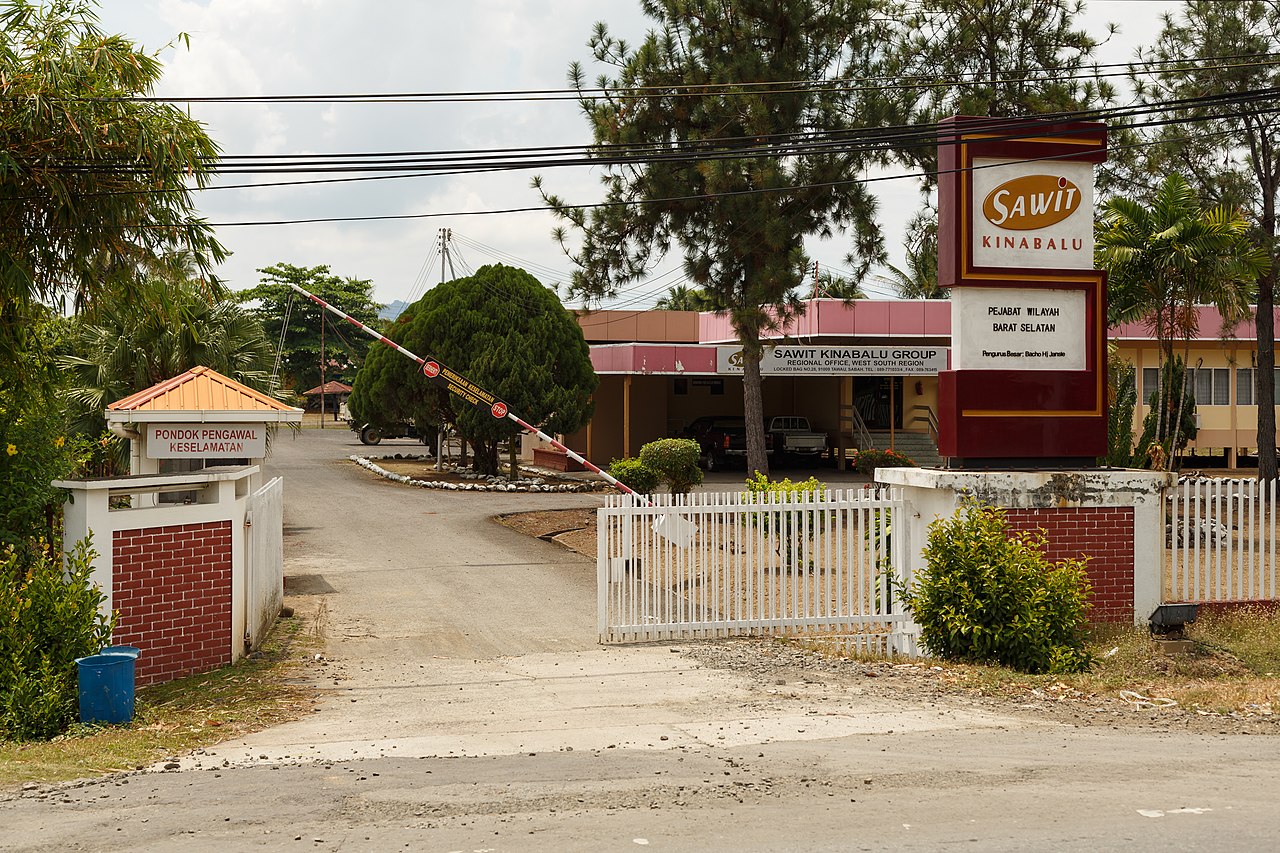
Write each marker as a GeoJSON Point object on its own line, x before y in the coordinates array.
{"type": "Point", "coordinates": [201, 395]}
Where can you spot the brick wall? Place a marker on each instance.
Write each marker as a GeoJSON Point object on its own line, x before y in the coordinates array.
{"type": "Point", "coordinates": [172, 588]}
{"type": "Point", "coordinates": [1103, 533]}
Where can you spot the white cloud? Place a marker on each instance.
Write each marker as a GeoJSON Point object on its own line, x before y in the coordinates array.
{"type": "Point", "coordinates": [262, 47]}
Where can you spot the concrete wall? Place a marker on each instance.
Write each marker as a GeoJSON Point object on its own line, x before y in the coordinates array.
{"type": "Point", "coordinates": [1115, 517]}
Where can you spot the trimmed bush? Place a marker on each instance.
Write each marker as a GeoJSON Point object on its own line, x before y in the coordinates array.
{"type": "Point", "coordinates": [867, 461]}
{"type": "Point", "coordinates": [48, 617]}
{"type": "Point", "coordinates": [676, 462]}
{"type": "Point", "coordinates": [635, 475]}
{"type": "Point", "coordinates": [989, 595]}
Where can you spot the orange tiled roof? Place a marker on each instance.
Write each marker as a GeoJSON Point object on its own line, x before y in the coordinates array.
{"type": "Point", "coordinates": [199, 389]}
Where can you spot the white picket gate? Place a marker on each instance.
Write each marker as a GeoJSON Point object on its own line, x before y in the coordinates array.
{"type": "Point", "coordinates": [1220, 541]}
{"type": "Point", "coordinates": [720, 564]}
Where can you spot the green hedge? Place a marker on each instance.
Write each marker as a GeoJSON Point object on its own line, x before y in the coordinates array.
{"type": "Point", "coordinates": [635, 475]}
{"type": "Point", "coordinates": [48, 617]}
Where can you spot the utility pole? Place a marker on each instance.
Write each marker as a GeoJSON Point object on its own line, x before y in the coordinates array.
{"type": "Point", "coordinates": [323, 323]}
{"type": "Point", "coordinates": [446, 234]}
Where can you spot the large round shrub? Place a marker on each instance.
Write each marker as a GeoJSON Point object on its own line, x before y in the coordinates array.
{"type": "Point", "coordinates": [989, 595]}
{"type": "Point", "coordinates": [676, 462]}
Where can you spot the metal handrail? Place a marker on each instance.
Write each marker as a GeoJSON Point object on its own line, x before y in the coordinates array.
{"type": "Point", "coordinates": [860, 428]}
{"type": "Point", "coordinates": [928, 417]}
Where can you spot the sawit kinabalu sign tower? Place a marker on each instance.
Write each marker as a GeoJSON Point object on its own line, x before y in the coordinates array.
{"type": "Point", "coordinates": [1027, 384]}
{"type": "Point", "coordinates": [1024, 404]}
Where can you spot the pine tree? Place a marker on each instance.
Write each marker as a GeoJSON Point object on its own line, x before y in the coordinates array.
{"type": "Point", "coordinates": [719, 81]}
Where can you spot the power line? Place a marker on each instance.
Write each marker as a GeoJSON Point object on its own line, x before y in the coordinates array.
{"type": "Point", "coordinates": [702, 90]}
{"type": "Point", "coordinates": [701, 197]}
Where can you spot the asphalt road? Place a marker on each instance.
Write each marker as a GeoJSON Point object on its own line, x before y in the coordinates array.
{"type": "Point", "coordinates": [465, 705]}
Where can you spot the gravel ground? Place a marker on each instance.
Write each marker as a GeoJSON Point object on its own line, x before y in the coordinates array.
{"type": "Point", "coordinates": [783, 662]}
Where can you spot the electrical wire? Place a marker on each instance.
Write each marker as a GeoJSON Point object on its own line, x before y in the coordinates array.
{"type": "Point", "coordinates": [788, 144]}
{"type": "Point", "coordinates": [875, 83]}
{"type": "Point", "coordinates": [707, 197]}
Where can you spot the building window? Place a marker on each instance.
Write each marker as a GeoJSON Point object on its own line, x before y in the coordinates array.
{"type": "Point", "coordinates": [1211, 385]}
{"type": "Point", "coordinates": [1150, 383]}
{"type": "Point", "coordinates": [1244, 386]}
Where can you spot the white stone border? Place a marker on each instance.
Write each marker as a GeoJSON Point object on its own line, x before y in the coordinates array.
{"type": "Point", "coordinates": [479, 486]}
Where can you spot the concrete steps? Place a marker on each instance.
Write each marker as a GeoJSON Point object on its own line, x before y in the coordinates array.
{"type": "Point", "coordinates": [917, 446]}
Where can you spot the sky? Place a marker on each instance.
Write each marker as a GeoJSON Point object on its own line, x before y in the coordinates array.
{"type": "Point", "coordinates": [289, 47]}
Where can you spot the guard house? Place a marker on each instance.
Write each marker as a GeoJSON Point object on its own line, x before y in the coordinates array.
{"type": "Point", "coordinates": [189, 546]}
{"type": "Point", "coordinates": [197, 420]}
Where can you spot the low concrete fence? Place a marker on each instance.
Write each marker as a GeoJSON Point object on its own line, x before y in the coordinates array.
{"type": "Point", "coordinates": [178, 573]}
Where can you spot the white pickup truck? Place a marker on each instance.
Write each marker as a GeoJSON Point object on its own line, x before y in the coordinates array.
{"type": "Point", "coordinates": [792, 436]}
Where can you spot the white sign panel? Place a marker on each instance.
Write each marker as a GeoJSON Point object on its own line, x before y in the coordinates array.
{"type": "Point", "coordinates": [839, 361]}
{"type": "Point", "coordinates": [1032, 214]}
{"type": "Point", "coordinates": [202, 441]}
{"type": "Point", "coordinates": [998, 328]}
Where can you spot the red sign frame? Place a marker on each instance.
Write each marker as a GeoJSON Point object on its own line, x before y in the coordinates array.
{"type": "Point", "coordinates": [993, 417]}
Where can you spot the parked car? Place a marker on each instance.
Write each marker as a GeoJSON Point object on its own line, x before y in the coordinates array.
{"type": "Point", "coordinates": [722, 440]}
{"type": "Point", "coordinates": [792, 437]}
{"type": "Point", "coordinates": [372, 434]}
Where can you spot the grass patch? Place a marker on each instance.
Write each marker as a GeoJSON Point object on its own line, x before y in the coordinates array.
{"type": "Point", "coordinates": [1233, 669]}
{"type": "Point", "coordinates": [192, 712]}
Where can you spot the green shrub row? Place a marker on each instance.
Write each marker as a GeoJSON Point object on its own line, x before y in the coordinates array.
{"type": "Point", "coordinates": [672, 462]}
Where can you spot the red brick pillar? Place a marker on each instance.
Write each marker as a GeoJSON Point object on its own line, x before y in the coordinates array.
{"type": "Point", "coordinates": [1105, 536]}
{"type": "Point", "coordinates": [172, 589]}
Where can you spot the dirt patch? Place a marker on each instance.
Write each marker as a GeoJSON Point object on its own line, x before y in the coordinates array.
{"type": "Point", "coordinates": [575, 529]}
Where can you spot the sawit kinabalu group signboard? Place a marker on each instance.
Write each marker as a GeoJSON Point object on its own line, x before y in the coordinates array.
{"type": "Point", "coordinates": [1028, 309]}
{"type": "Point", "coordinates": [838, 361]}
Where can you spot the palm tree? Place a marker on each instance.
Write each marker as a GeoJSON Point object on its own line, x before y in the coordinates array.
{"type": "Point", "coordinates": [128, 345]}
{"type": "Point", "coordinates": [831, 286]}
{"type": "Point", "coordinates": [920, 278]}
{"type": "Point", "coordinates": [1165, 259]}
{"type": "Point", "coordinates": [684, 298]}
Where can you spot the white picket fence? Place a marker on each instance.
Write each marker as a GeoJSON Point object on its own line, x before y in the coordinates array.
{"type": "Point", "coordinates": [1220, 540]}
{"type": "Point", "coordinates": [720, 564]}
{"type": "Point", "coordinates": [264, 566]}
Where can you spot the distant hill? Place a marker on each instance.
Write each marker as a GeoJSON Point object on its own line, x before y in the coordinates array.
{"type": "Point", "coordinates": [392, 311]}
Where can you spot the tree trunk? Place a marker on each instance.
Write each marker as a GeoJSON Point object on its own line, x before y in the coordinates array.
{"type": "Point", "coordinates": [1265, 324]}
{"type": "Point", "coordinates": [753, 401]}
{"type": "Point", "coordinates": [513, 457]}
{"type": "Point", "coordinates": [1266, 397]}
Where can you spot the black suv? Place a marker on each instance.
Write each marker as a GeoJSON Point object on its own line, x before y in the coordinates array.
{"type": "Point", "coordinates": [722, 439]}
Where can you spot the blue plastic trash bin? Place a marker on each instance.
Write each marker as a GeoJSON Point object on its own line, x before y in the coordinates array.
{"type": "Point", "coordinates": [131, 651]}
{"type": "Point", "coordinates": [106, 686]}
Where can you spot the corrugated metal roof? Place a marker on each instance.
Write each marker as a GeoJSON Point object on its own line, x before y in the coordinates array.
{"type": "Point", "coordinates": [199, 389]}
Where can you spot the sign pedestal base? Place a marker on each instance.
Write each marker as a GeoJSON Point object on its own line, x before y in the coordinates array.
{"type": "Point", "coordinates": [1058, 423]}
{"type": "Point", "coordinates": [1114, 516]}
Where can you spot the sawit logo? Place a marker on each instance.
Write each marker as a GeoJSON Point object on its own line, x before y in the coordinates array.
{"type": "Point", "coordinates": [1031, 202]}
